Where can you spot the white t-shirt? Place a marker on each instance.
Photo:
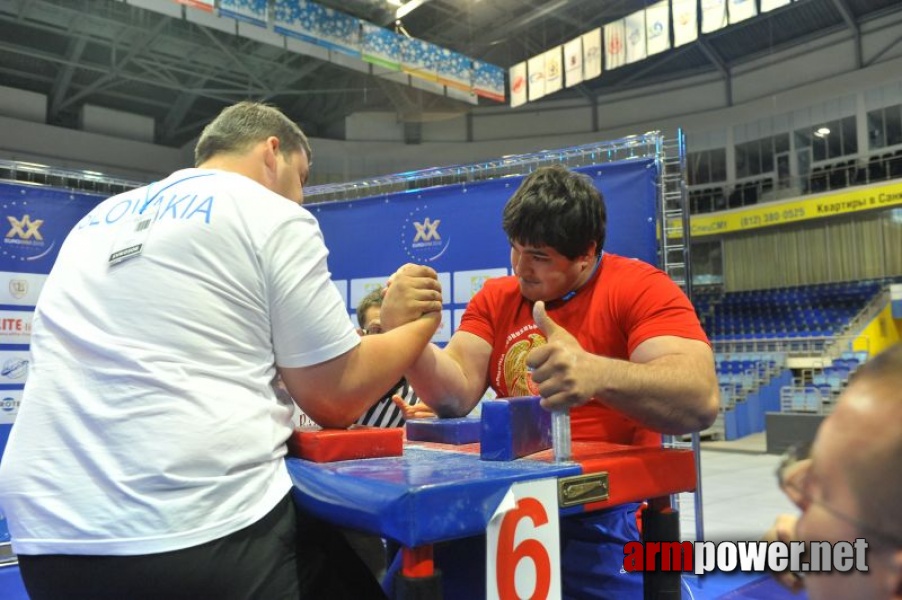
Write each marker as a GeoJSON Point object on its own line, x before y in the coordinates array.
{"type": "Point", "coordinates": [148, 423]}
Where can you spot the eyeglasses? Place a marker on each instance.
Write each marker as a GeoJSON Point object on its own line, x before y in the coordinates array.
{"type": "Point", "coordinates": [794, 478]}
{"type": "Point", "coordinates": [374, 327]}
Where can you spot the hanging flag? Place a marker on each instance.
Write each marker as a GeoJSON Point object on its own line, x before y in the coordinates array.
{"type": "Point", "coordinates": [685, 22]}
{"type": "Point", "coordinates": [299, 20]}
{"type": "Point", "coordinates": [204, 5]}
{"type": "Point", "coordinates": [340, 32]}
{"type": "Point", "coordinates": [573, 62]}
{"type": "Point", "coordinates": [455, 71]}
{"type": "Point", "coordinates": [657, 27]}
{"type": "Point", "coordinates": [246, 11]}
{"type": "Point", "coordinates": [554, 76]}
{"type": "Point", "coordinates": [769, 5]}
{"type": "Point", "coordinates": [592, 54]}
{"type": "Point", "coordinates": [635, 36]}
{"type": "Point", "coordinates": [518, 84]}
{"type": "Point", "coordinates": [535, 68]}
{"type": "Point", "coordinates": [614, 46]}
{"type": "Point", "coordinates": [419, 58]}
{"type": "Point", "coordinates": [714, 15]}
{"type": "Point", "coordinates": [381, 46]}
{"type": "Point", "coordinates": [740, 10]}
{"type": "Point", "coordinates": [488, 81]}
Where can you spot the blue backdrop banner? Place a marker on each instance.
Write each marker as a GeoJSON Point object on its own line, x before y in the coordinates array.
{"type": "Point", "coordinates": [35, 221]}
{"type": "Point", "coordinates": [456, 229]}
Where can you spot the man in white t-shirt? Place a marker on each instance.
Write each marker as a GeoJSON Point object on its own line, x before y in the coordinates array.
{"type": "Point", "coordinates": [147, 457]}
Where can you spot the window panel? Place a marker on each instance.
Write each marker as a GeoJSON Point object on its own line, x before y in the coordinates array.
{"type": "Point", "coordinates": [703, 169]}
{"type": "Point", "coordinates": [719, 164]}
{"type": "Point", "coordinates": [742, 161]}
{"type": "Point", "coordinates": [767, 155]}
{"type": "Point", "coordinates": [893, 122]}
{"type": "Point", "coordinates": [834, 140]}
{"type": "Point", "coordinates": [876, 135]}
{"type": "Point", "coordinates": [849, 136]}
{"type": "Point", "coordinates": [754, 157]}
{"type": "Point", "coordinates": [803, 138]}
{"type": "Point", "coordinates": [819, 148]}
{"type": "Point", "coordinates": [781, 143]}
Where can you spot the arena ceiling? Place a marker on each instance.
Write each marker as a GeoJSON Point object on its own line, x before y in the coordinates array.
{"type": "Point", "coordinates": [111, 54]}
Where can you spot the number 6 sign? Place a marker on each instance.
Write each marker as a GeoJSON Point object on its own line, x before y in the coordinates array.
{"type": "Point", "coordinates": [523, 548]}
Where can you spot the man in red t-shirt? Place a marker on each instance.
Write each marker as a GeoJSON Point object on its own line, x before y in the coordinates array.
{"type": "Point", "coordinates": [612, 338]}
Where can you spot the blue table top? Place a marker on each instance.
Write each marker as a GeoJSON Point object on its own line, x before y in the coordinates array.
{"type": "Point", "coordinates": [423, 497]}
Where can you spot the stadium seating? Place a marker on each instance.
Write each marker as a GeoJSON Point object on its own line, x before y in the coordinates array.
{"type": "Point", "coordinates": [750, 386]}
{"type": "Point", "coordinates": [813, 312]}
{"type": "Point", "coordinates": [754, 332]}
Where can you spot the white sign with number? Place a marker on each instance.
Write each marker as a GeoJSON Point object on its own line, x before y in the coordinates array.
{"type": "Point", "coordinates": [523, 544]}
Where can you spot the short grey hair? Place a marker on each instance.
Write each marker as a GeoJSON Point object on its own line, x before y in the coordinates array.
{"type": "Point", "coordinates": [240, 126]}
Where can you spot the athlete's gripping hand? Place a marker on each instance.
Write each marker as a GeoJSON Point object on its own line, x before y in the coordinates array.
{"type": "Point", "coordinates": [412, 291]}
{"type": "Point", "coordinates": [563, 370]}
{"type": "Point", "coordinates": [413, 411]}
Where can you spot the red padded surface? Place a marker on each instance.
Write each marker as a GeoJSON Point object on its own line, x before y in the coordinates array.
{"type": "Point", "coordinates": [634, 473]}
{"type": "Point", "coordinates": [463, 448]}
{"type": "Point", "coordinates": [328, 445]}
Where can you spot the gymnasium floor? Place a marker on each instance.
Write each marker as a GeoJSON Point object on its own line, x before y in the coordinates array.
{"type": "Point", "coordinates": [740, 500]}
{"type": "Point", "coordinates": [739, 490]}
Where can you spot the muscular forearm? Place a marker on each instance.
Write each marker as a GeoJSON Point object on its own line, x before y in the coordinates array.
{"type": "Point", "coordinates": [337, 392]}
{"type": "Point", "coordinates": [671, 394]}
{"type": "Point", "coordinates": [442, 385]}
{"type": "Point", "coordinates": [668, 384]}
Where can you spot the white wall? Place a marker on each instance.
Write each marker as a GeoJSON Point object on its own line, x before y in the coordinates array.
{"type": "Point", "coordinates": [69, 149]}
{"type": "Point", "coordinates": [374, 126]}
{"type": "Point", "coordinates": [22, 104]}
{"type": "Point", "coordinates": [117, 123]}
{"type": "Point", "coordinates": [446, 127]}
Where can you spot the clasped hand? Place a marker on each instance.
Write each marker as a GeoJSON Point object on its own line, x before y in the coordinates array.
{"type": "Point", "coordinates": [412, 291]}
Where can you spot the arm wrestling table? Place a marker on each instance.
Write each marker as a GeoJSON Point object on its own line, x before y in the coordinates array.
{"type": "Point", "coordinates": [437, 492]}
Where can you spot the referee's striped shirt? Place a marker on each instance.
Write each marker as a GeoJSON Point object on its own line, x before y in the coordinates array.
{"type": "Point", "coordinates": [384, 413]}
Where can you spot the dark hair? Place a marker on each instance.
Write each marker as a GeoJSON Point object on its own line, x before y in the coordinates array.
{"type": "Point", "coordinates": [240, 126]}
{"type": "Point", "coordinates": [559, 208]}
{"type": "Point", "coordinates": [372, 299]}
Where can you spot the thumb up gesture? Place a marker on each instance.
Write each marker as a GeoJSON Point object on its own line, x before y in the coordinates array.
{"type": "Point", "coordinates": [565, 373]}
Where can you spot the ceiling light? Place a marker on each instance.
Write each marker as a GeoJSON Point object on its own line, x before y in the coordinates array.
{"type": "Point", "coordinates": [822, 131]}
{"type": "Point", "coordinates": [394, 2]}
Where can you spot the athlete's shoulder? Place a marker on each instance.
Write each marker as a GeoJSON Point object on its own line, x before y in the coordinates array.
{"type": "Point", "coordinates": [626, 266]}
{"type": "Point", "coordinates": [501, 285]}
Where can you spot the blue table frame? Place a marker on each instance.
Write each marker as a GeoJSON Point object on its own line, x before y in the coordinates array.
{"type": "Point", "coordinates": [452, 494]}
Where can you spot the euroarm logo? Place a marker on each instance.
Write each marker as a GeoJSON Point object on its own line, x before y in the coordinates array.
{"type": "Point", "coordinates": [25, 228]}
{"type": "Point", "coordinates": [422, 237]}
{"type": "Point", "coordinates": [427, 231]}
{"type": "Point", "coordinates": [24, 239]}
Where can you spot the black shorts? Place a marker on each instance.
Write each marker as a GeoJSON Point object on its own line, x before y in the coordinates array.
{"type": "Point", "coordinates": [285, 555]}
